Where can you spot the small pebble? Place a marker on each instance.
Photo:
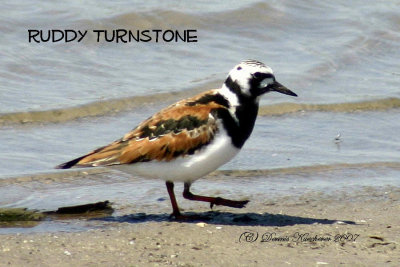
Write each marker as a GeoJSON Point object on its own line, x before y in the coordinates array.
{"type": "Point", "coordinates": [201, 224]}
{"type": "Point", "coordinates": [67, 253]}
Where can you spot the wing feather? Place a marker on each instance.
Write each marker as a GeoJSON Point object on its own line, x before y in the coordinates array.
{"type": "Point", "coordinates": [178, 130]}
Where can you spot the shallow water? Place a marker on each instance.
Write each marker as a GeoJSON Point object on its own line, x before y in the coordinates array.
{"type": "Point", "coordinates": [301, 139]}
{"type": "Point", "coordinates": [58, 101]}
{"type": "Point", "coordinates": [51, 191]}
{"type": "Point", "coordinates": [327, 52]}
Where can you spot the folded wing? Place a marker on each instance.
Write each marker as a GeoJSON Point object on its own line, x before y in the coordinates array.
{"type": "Point", "coordinates": [177, 131]}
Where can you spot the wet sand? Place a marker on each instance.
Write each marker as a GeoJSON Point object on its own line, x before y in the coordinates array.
{"type": "Point", "coordinates": [360, 228]}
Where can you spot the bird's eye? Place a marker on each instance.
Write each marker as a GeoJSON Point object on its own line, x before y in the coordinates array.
{"type": "Point", "coordinates": [258, 75]}
{"type": "Point", "coordinates": [239, 68]}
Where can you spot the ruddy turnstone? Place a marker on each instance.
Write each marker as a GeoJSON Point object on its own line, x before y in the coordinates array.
{"type": "Point", "coordinates": [192, 137]}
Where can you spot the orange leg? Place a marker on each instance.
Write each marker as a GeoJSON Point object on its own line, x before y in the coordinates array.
{"type": "Point", "coordinates": [213, 200]}
{"type": "Point", "coordinates": [170, 187]}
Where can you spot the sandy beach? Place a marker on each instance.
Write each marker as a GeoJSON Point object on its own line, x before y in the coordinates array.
{"type": "Point", "coordinates": [360, 228]}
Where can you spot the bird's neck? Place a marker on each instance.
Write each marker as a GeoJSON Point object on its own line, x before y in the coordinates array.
{"type": "Point", "coordinates": [246, 114]}
{"type": "Point", "coordinates": [243, 111]}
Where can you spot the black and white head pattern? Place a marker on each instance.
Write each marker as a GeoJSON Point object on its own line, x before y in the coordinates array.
{"type": "Point", "coordinates": [252, 77]}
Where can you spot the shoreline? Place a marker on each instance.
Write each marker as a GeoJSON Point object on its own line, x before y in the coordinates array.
{"type": "Point", "coordinates": [360, 228]}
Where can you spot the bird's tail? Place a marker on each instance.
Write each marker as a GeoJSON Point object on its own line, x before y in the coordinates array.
{"type": "Point", "coordinates": [70, 164]}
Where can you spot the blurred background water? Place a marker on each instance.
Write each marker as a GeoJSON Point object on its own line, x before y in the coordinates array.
{"type": "Point", "coordinates": [88, 94]}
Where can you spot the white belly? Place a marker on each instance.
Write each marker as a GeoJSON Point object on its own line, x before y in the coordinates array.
{"type": "Point", "coordinates": [188, 168]}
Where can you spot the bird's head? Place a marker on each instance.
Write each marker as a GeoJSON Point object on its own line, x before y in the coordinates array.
{"type": "Point", "coordinates": [252, 79]}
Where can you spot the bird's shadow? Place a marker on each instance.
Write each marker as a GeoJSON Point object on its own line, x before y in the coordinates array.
{"type": "Point", "coordinates": [225, 218]}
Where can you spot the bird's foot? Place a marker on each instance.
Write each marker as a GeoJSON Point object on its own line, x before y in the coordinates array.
{"type": "Point", "coordinates": [213, 200]}
{"type": "Point", "coordinates": [229, 203]}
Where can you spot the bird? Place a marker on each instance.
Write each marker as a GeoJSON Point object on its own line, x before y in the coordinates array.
{"type": "Point", "coordinates": [193, 137]}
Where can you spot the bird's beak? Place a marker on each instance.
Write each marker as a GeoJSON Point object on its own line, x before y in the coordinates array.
{"type": "Point", "coordinates": [277, 87]}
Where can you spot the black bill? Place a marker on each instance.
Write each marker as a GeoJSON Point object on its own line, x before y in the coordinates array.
{"type": "Point", "coordinates": [277, 87]}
